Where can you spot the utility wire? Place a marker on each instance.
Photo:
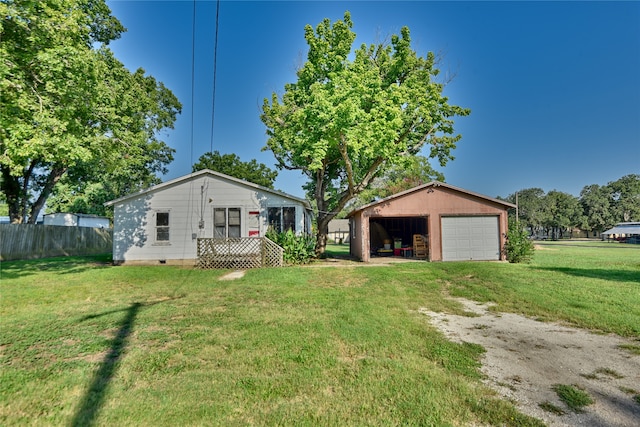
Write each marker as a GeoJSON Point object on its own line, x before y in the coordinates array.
{"type": "Point", "coordinates": [193, 76]}
{"type": "Point", "coordinates": [215, 72]}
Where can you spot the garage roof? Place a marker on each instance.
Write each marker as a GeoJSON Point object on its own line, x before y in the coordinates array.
{"type": "Point", "coordinates": [433, 184]}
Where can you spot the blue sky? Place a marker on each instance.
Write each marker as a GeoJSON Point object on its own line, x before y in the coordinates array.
{"type": "Point", "coordinates": [553, 87]}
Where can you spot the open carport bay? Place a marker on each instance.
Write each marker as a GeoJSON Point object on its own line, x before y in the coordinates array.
{"type": "Point", "coordinates": [393, 228]}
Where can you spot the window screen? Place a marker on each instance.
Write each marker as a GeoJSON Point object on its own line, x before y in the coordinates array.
{"type": "Point", "coordinates": [282, 219]}
{"type": "Point", "coordinates": [234, 222]}
{"type": "Point", "coordinates": [275, 219]}
{"type": "Point", "coordinates": [226, 222]}
{"type": "Point", "coordinates": [219, 222]}
{"type": "Point", "coordinates": [288, 219]}
{"type": "Point", "coordinates": [162, 226]}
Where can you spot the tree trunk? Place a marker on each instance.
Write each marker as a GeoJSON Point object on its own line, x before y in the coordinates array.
{"type": "Point", "coordinates": [54, 176]}
{"type": "Point", "coordinates": [322, 233]}
{"type": "Point", "coordinates": [18, 197]}
{"type": "Point", "coordinates": [12, 190]}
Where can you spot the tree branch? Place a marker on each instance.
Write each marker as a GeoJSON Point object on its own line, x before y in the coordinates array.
{"type": "Point", "coordinates": [54, 176]}
{"type": "Point", "coordinates": [348, 166]}
{"type": "Point", "coordinates": [26, 178]}
{"type": "Point", "coordinates": [347, 195]}
{"type": "Point", "coordinates": [420, 143]}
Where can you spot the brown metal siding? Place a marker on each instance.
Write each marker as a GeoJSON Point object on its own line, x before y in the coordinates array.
{"type": "Point", "coordinates": [431, 202]}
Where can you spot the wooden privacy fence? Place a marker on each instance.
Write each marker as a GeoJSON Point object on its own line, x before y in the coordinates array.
{"type": "Point", "coordinates": [239, 252]}
{"type": "Point", "coordinates": [29, 241]}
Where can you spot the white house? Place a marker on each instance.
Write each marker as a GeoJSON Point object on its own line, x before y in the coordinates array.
{"type": "Point", "coordinates": [162, 224]}
{"type": "Point", "coordinates": [76, 220]}
{"type": "Point", "coordinates": [339, 230]}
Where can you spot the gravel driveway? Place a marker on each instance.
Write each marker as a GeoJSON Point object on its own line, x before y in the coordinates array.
{"type": "Point", "coordinates": [525, 358]}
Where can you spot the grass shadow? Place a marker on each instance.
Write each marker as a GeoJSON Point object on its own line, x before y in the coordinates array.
{"type": "Point", "coordinates": [597, 273]}
{"type": "Point", "coordinates": [59, 265]}
{"type": "Point", "coordinates": [94, 396]}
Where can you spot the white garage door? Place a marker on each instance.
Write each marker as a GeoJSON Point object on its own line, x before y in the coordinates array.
{"type": "Point", "coordinates": [470, 238]}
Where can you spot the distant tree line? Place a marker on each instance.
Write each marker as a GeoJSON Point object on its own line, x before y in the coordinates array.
{"type": "Point", "coordinates": [598, 208]}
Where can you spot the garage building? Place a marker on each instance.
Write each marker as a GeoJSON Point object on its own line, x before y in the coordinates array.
{"type": "Point", "coordinates": [434, 221]}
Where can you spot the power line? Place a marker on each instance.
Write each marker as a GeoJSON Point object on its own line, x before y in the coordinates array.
{"type": "Point", "coordinates": [193, 74]}
{"type": "Point", "coordinates": [215, 63]}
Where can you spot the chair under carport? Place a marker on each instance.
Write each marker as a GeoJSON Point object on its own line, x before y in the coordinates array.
{"type": "Point", "coordinates": [420, 246]}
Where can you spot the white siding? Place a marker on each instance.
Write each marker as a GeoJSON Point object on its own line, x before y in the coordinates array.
{"type": "Point", "coordinates": [189, 202]}
{"type": "Point", "coordinates": [96, 222]}
{"type": "Point", "coordinates": [76, 220]}
{"type": "Point", "coordinates": [67, 219]}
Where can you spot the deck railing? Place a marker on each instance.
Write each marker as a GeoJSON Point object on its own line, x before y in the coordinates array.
{"type": "Point", "coordinates": [239, 253]}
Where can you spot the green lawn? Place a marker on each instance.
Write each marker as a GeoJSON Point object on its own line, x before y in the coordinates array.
{"type": "Point", "coordinates": [337, 251]}
{"type": "Point", "coordinates": [83, 342]}
{"type": "Point", "coordinates": [593, 285]}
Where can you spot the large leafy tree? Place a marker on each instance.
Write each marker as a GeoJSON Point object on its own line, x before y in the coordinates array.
{"type": "Point", "coordinates": [625, 198]}
{"type": "Point", "coordinates": [530, 203]}
{"type": "Point", "coordinates": [596, 205]}
{"type": "Point", "coordinates": [68, 105]}
{"type": "Point", "coordinates": [414, 172]}
{"type": "Point", "coordinates": [230, 164]}
{"type": "Point", "coordinates": [561, 211]}
{"type": "Point", "coordinates": [353, 114]}
{"type": "Point", "coordinates": [87, 186]}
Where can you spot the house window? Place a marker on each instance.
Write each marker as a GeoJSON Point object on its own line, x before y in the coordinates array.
{"type": "Point", "coordinates": [162, 227]}
{"type": "Point", "coordinates": [234, 222]}
{"type": "Point", "coordinates": [282, 219]}
{"type": "Point", "coordinates": [226, 222]}
{"type": "Point", "coordinates": [307, 222]}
